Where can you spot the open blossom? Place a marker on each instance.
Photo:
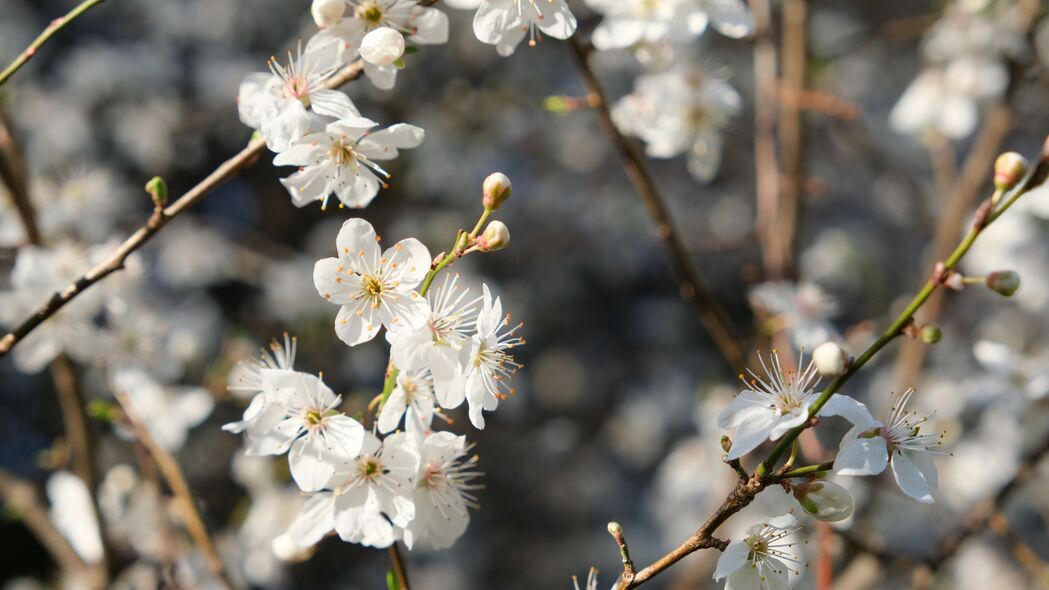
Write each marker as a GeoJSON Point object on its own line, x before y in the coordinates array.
{"type": "Point", "coordinates": [436, 344]}
{"type": "Point", "coordinates": [443, 491]}
{"type": "Point", "coordinates": [803, 309]}
{"type": "Point", "coordinates": [300, 417]}
{"type": "Point", "coordinates": [870, 446]}
{"type": "Point", "coordinates": [412, 399]}
{"type": "Point", "coordinates": [761, 561]}
{"type": "Point", "coordinates": [948, 99]}
{"type": "Point", "coordinates": [488, 364]}
{"type": "Point", "coordinates": [167, 412]}
{"type": "Point", "coordinates": [504, 23]}
{"type": "Point", "coordinates": [342, 160]}
{"type": "Point", "coordinates": [279, 104]}
{"type": "Point", "coordinates": [374, 288]}
{"type": "Point", "coordinates": [774, 404]}
{"type": "Point", "coordinates": [341, 42]}
{"type": "Point", "coordinates": [628, 23]}
{"type": "Point", "coordinates": [246, 380]}
{"type": "Point", "coordinates": [680, 111]}
{"type": "Point", "coordinates": [367, 499]}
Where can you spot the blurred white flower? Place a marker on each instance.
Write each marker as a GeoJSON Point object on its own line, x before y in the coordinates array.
{"type": "Point", "coordinates": [683, 110]}
{"type": "Point", "coordinates": [246, 381]}
{"type": "Point", "coordinates": [503, 23]}
{"type": "Point", "coordinates": [628, 23]}
{"type": "Point", "coordinates": [38, 273]}
{"type": "Point", "coordinates": [341, 160]}
{"type": "Point", "coordinates": [167, 412]}
{"type": "Point", "coordinates": [374, 288]}
{"type": "Point", "coordinates": [871, 446]}
{"type": "Point", "coordinates": [1030, 373]}
{"type": "Point", "coordinates": [763, 560]}
{"type": "Point", "coordinates": [803, 309]}
{"type": "Point", "coordinates": [73, 514]}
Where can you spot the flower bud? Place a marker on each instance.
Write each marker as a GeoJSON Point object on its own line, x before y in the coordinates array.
{"type": "Point", "coordinates": [830, 359]}
{"type": "Point", "coordinates": [496, 190]}
{"type": "Point", "coordinates": [495, 237]}
{"type": "Point", "coordinates": [158, 191]}
{"type": "Point", "coordinates": [726, 443]}
{"type": "Point", "coordinates": [931, 333]}
{"type": "Point", "coordinates": [382, 47]}
{"type": "Point", "coordinates": [824, 500]}
{"type": "Point", "coordinates": [327, 13]}
{"type": "Point", "coordinates": [1009, 168]}
{"type": "Point", "coordinates": [1004, 282]}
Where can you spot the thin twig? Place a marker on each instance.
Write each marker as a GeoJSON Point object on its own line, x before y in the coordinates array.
{"type": "Point", "coordinates": [14, 175]}
{"type": "Point", "coordinates": [159, 218]}
{"type": "Point", "coordinates": [791, 138]}
{"type": "Point", "coordinates": [56, 25]}
{"type": "Point", "coordinates": [691, 283]}
{"type": "Point", "coordinates": [172, 473]}
{"type": "Point", "coordinates": [766, 167]}
{"type": "Point", "coordinates": [22, 497]}
{"type": "Point", "coordinates": [400, 572]}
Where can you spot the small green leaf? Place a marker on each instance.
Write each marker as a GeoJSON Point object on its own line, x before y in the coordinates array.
{"type": "Point", "coordinates": [391, 581]}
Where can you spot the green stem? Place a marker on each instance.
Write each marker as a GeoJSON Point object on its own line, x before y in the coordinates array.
{"type": "Point", "coordinates": [56, 25]}
{"type": "Point", "coordinates": [807, 470]}
{"type": "Point", "coordinates": [1034, 178]}
{"type": "Point", "coordinates": [480, 222]}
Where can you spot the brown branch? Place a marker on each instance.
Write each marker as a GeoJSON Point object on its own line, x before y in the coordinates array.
{"type": "Point", "coordinates": [22, 497]}
{"type": "Point", "coordinates": [159, 218]}
{"type": "Point", "coordinates": [766, 168]}
{"type": "Point", "coordinates": [400, 572]}
{"type": "Point", "coordinates": [172, 473]}
{"type": "Point", "coordinates": [691, 283]}
{"type": "Point", "coordinates": [14, 175]}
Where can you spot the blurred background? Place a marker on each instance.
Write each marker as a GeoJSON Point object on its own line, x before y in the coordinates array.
{"type": "Point", "coordinates": [615, 413]}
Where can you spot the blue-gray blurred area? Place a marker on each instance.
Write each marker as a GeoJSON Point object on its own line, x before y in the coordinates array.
{"type": "Point", "coordinates": [615, 412]}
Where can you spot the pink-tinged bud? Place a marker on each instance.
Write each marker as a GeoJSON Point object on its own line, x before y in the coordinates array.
{"type": "Point", "coordinates": [1009, 169]}
{"type": "Point", "coordinates": [954, 281]}
{"type": "Point", "coordinates": [1004, 282]}
{"type": "Point", "coordinates": [327, 13]}
{"type": "Point", "coordinates": [495, 237]}
{"type": "Point", "coordinates": [824, 500]}
{"type": "Point", "coordinates": [382, 46]}
{"type": "Point", "coordinates": [931, 333]}
{"type": "Point", "coordinates": [496, 190]}
{"type": "Point", "coordinates": [830, 360]}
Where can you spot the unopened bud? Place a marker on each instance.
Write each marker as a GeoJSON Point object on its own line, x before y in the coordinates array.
{"type": "Point", "coordinates": [495, 190]}
{"type": "Point", "coordinates": [1009, 168]}
{"type": "Point", "coordinates": [614, 528]}
{"type": "Point", "coordinates": [382, 46]}
{"type": "Point", "coordinates": [495, 237]}
{"type": "Point", "coordinates": [158, 191]}
{"type": "Point", "coordinates": [830, 360]}
{"type": "Point", "coordinates": [931, 333]}
{"type": "Point", "coordinates": [1004, 282]}
{"type": "Point", "coordinates": [824, 500]}
{"type": "Point", "coordinates": [327, 13]}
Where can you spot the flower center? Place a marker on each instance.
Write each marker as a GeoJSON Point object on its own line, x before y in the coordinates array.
{"type": "Point", "coordinates": [371, 467]}
{"type": "Point", "coordinates": [370, 13]}
{"type": "Point", "coordinates": [313, 418]}
{"type": "Point", "coordinates": [372, 286]}
{"type": "Point", "coordinates": [342, 154]}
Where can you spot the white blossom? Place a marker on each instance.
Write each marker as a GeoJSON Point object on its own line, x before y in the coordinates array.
{"type": "Point", "coordinates": [342, 160]}
{"type": "Point", "coordinates": [776, 403]}
{"type": "Point", "coordinates": [382, 46]}
{"type": "Point", "coordinates": [299, 416]}
{"type": "Point", "coordinates": [443, 492]}
{"type": "Point", "coordinates": [374, 288]}
{"type": "Point", "coordinates": [279, 104]}
{"type": "Point", "coordinates": [487, 362]}
{"type": "Point", "coordinates": [763, 560]}
{"type": "Point", "coordinates": [680, 111]}
{"type": "Point", "coordinates": [367, 500]}
{"type": "Point", "coordinates": [804, 310]}
{"type": "Point", "coordinates": [504, 23]}
{"type": "Point", "coordinates": [870, 446]}
{"type": "Point", "coordinates": [628, 23]}
{"type": "Point", "coordinates": [412, 398]}
{"type": "Point", "coordinates": [73, 514]}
